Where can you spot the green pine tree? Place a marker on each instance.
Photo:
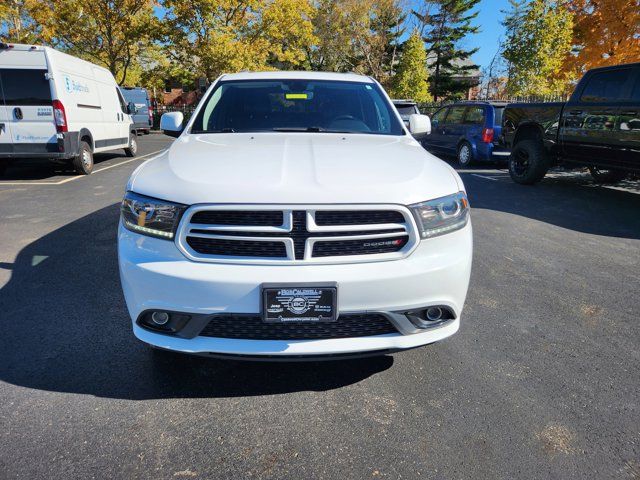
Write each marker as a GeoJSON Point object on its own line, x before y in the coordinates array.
{"type": "Point", "coordinates": [411, 79]}
{"type": "Point", "coordinates": [445, 29]}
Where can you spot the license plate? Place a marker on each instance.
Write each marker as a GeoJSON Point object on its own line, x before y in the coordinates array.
{"type": "Point", "coordinates": [293, 303]}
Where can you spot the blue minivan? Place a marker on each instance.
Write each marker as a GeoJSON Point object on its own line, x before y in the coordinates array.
{"type": "Point", "coordinates": [468, 130]}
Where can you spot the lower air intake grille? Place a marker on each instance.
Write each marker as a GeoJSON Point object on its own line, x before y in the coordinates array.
{"type": "Point", "coordinates": [251, 327]}
{"type": "Point", "coordinates": [237, 248]}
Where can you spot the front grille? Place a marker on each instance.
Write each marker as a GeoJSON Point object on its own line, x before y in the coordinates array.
{"type": "Point", "coordinates": [296, 234]}
{"type": "Point", "coordinates": [257, 218]}
{"type": "Point", "coordinates": [299, 232]}
{"type": "Point", "coordinates": [237, 248]}
{"type": "Point", "coordinates": [357, 217]}
{"type": "Point", "coordinates": [251, 327]}
{"type": "Point", "coordinates": [241, 233]}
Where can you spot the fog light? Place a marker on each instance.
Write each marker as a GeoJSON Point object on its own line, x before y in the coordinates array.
{"type": "Point", "coordinates": [160, 318]}
{"type": "Point", "coordinates": [434, 314]}
{"type": "Point", "coordinates": [430, 317]}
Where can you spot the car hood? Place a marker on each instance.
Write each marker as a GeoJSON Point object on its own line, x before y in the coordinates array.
{"type": "Point", "coordinates": [294, 168]}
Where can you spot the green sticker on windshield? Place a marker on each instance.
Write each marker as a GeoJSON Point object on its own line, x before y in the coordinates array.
{"type": "Point", "coordinates": [296, 96]}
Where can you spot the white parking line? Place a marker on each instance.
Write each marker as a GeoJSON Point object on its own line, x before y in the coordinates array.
{"type": "Point", "coordinates": [482, 170]}
{"type": "Point", "coordinates": [78, 177]}
{"type": "Point", "coordinates": [484, 176]}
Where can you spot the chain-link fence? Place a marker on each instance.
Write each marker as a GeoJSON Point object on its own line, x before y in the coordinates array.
{"type": "Point", "coordinates": [430, 108]}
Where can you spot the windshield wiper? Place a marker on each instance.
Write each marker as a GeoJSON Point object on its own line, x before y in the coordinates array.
{"type": "Point", "coordinates": [298, 129]}
{"type": "Point", "coordinates": [222, 130]}
{"type": "Point", "coordinates": [310, 129]}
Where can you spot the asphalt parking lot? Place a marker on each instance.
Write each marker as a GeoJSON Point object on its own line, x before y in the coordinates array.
{"type": "Point", "coordinates": [542, 381]}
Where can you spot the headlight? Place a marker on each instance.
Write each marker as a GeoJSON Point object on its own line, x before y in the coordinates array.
{"type": "Point", "coordinates": [149, 216]}
{"type": "Point", "coordinates": [442, 215]}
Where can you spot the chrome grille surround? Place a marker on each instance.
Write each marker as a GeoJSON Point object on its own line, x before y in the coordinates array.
{"type": "Point", "coordinates": [314, 233]}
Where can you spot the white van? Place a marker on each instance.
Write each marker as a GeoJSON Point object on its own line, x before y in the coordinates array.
{"type": "Point", "coordinates": [59, 107]}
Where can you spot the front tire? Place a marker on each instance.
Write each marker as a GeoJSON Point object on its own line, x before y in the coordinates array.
{"type": "Point", "coordinates": [607, 175]}
{"type": "Point", "coordinates": [132, 149]}
{"type": "Point", "coordinates": [83, 162]}
{"type": "Point", "coordinates": [528, 162]}
{"type": "Point", "coordinates": [465, 154]}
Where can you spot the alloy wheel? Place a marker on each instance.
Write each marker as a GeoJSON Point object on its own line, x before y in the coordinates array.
{"type": "Point", "coordinates": [520, 162]}
{"type": "Point", "coordinates": [464, 155]}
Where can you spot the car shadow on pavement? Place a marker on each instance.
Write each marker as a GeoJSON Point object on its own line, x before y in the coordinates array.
{"type": "Point", "coordinates": [563, 202]}
{"type": "Point", "coordinates": [37, 169]}
{"type": "Point", "coordinates": [66, 329]}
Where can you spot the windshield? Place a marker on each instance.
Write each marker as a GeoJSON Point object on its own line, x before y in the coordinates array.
{"type": "Point", "coordinates": [296, 106]}
{"type": "Point", "coordinates": [499, 111]}
{"type": "Point", "coordinates": [406, 109]}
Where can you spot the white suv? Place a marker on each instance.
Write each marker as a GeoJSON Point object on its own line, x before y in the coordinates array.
{"type": "Point", "coordinates": [295, 216]}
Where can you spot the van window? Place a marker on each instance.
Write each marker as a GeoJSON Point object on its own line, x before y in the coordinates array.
{"type": "Point", "coordinates": [497, 112]}
{"type": "Point", "coordinates": [455, 115]}
{"type": "Point", "coordinates": [25, 87]}
{"type": "Point", "coordinates": [474, 116]}
{"type": "Point", "coordinates": [123, 104]}
{"type": "Point", "coordinates": [606, 86]}
{"type": "Point", "coordinates": [438, 117]}
{"type": "Point", "coordinates": [138, 96]}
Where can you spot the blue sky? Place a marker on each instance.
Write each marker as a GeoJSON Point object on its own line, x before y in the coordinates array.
{"type": "Point", "coordinates": [490, 30]}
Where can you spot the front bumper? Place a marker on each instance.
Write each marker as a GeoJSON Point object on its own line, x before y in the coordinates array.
{"type": "Point", "coordinates": [156, 275]}
{"type": "Point", "coordinates": [502, 155]}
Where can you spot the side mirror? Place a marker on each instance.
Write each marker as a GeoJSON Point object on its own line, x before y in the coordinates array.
{"type": "Point", "coordinates": [419, 125]}
{"type": "Point", "coordinates": [171, 123]}
{"type": "Point", "coordinates": [131, 108]}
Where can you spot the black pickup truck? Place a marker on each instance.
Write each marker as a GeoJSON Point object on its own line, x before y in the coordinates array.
{"type": "Point", "coordinates": [599, 128]}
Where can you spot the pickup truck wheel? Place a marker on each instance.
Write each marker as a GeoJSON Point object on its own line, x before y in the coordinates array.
{"type": "Point", "coordinates": [83, 162]}
{"type": "Point", "coordinates": [465, 154]}
{"type": "Point", "coordinates": [528, 162]}
{"type": "Point", "coordinates": [604, 175]}
{"type": "Point", "coordinates": [132, 149]}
